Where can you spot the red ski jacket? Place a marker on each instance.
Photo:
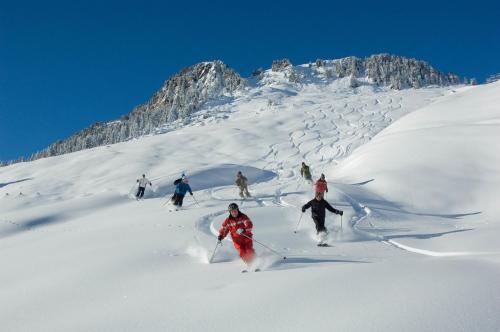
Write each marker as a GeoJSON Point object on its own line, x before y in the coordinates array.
{"type": "Point", "coordinates": [321, 186]}
{"type": "Point", "coordinates": [231, 225]}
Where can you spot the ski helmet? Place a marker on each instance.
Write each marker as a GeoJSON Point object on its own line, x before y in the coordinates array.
{"type": "Point", "coordinates": [233, 206]}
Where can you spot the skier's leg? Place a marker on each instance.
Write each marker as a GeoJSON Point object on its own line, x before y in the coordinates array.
{"type": "Point", "coordinates": [142, 192]}
{"type": "Point", "coordinates": [249, 253]}
{"type": "Point", "coordinates": [181, 198]}
{"type": "Point", "coordinates": [320, 225]}
{"type": "Point", "coordinates": [138, 192]}
{"type": "Point", "coordinates": [245, 249]}
{"type": "Point", "coordinates": [247, 192]}
{"type": "Point", "coordinates": [241, 192]}
{"type": "Point", "coordinates": [237, 246]}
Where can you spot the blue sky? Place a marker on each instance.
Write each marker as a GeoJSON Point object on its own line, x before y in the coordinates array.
{"type": "Point", "coordinates": [65, 65]}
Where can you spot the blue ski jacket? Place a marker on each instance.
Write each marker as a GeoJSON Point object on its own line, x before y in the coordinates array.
{"type": "Point", "coordinates": [182, 188]}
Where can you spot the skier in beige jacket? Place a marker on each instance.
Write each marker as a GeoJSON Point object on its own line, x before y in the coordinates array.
{"type": "Point", "coordinates": [242, 183]}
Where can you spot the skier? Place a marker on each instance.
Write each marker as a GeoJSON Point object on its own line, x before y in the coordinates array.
{"type": "Point", "coordinates": [305, 172]}
{"type": "Point", "coordinates": [240, 227]}
{"type": "Point", "coordinates": [318, 205]}
{"type": "Point", "coordinates": [321, 185]}
{"type": "Point", "coordinates": [180, 191]}
{"type": "Point", "coordinates": [176, 182]}
{"type": "Point", "coordinates": [143, 182]}
{"type": "Point", "coordinates": [242, 183]}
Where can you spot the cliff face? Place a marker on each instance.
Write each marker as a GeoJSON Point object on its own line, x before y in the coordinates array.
{"type": "Point", "coordinates": [180, 96]}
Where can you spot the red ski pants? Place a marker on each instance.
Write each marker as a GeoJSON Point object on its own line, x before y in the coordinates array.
{"type": "Point", "coordinates": [245, 249]}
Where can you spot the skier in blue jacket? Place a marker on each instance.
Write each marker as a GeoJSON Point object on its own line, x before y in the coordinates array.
{"type": "Point", "coordinates": [180, 191]}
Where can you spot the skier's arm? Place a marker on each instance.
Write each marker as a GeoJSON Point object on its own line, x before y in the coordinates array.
{"type": "Point", "coordinates": [190, 191]}
{"type": "Point", "coordinates": [306, 206]}
{"type": "Point", "coordinates": [224, 229]}
{"type": "Point", "coordinates": [332, 209]}
{"type": "Point", "coordinates": [248, 225]}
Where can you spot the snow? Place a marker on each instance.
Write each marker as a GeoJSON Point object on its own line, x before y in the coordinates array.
{"type": "Point", "coordinates": [416, 172]}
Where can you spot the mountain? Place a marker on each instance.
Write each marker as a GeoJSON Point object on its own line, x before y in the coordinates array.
{"type": "Point", "coordinates": [180, 96]}
{"type": "Point", "coordinates": [194, 87]}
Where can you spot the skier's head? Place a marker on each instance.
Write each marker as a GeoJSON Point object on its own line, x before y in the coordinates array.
{"type": "Point", "coordinates": [319, 196]}
{"type": "Point", "coordinates": [322, 177]}
{"type": "Point", "coordinates": [239, 173]}
{"type": "Point", "coordinates": [303, 163]}
{"type": "Point", "coordinates": [143, 175]}
{"type": "Point", "coordinates": [233, 209]}
{"type": "Point", "coordinates": [185, 179]}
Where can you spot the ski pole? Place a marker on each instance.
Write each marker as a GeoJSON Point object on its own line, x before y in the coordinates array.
{"type": "Point", "coordinates": [298, 224]}
{"type": "Point", "coordinates": [262, 244]}
{"type": "Point", "coordinates": [195, 200]}
{"type": "Point", "coordinates": [213, 254]}
{"type": "Point", "coordinates": [341, 222]}
{"type": "Point", "coordinates": [167, 201]}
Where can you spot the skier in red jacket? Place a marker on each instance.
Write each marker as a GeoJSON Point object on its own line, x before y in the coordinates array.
{"type": "Point", "coordinates": [321, 185]}
{"type": "Point", "coordinates": [240, 227]}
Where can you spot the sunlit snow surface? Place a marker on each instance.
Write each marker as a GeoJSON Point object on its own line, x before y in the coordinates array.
{"type": "Point", "coordinates": [417, 249]}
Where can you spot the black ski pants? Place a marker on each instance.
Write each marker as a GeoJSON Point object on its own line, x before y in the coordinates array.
{"type": "Point", "coordinates": [140, 192]}
{"type": "Point", "coordinates": [178, 199]}
{"type": "Point", "coordinates": [320, 224]}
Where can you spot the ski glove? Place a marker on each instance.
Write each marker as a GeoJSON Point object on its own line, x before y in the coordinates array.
{"type": "Point", "coordinates": [191, 194]}
{"type": "Point", "coordinates": [341, 213]}
{"type": "Point", "coordinates": [303, 210]}
{"type": "Point", "coordinates": [240, 231]}
{"type": "Point", "coordinates": [220, 238]}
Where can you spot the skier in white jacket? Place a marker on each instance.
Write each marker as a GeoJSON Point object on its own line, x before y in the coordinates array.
{"type": "Point", "coordinates": [143, 182]}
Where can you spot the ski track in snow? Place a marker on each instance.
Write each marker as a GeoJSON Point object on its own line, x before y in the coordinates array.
{"type": "Point", "coordinates": [330, 133]}
{"type": "Point", "coordinates": [364, 212]}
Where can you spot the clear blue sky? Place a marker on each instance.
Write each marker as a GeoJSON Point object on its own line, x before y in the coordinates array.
{"type": "Point", "coordinates": [66, 65]}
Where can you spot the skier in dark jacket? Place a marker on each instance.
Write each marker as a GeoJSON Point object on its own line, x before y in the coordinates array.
{"type": "Point", "coordinates": [180, 191]}
{"type": "Point", "coordinates": [318, 206]}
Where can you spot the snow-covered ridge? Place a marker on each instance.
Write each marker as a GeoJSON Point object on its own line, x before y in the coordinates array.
{"type": "Point", "coordinates": [394, 71]}
{"type": "Point", "coordinates": [192, 88]}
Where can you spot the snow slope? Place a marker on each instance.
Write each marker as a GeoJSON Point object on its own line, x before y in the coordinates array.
{"type": "Point", "coordinates": [415, 171]}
